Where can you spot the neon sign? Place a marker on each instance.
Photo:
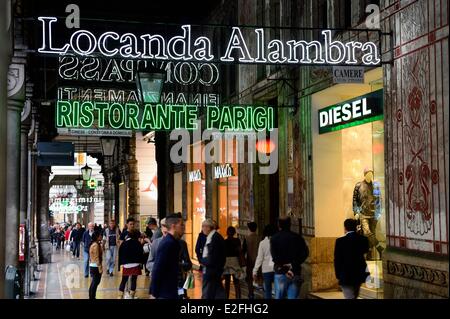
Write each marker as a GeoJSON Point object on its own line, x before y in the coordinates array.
{"type": "Point", "coordinates": [185, 48]}
{"type": "Point", "coordinates": [124, 71]}
{"type": "Point", "coordinates": [130, 96]}
{"type": "Point", "coordinates": [76, 114]}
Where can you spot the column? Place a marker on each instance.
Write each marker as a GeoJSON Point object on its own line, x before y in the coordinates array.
{"type": "Point", "coordinates": [107, 196]}
{"type": "Point", "coordinates": [13, 182]}
{"type": "Point", "coordinates": [5, 48]}
{"type": "Point", "coordinates": [24, 130]}
{"type": "Point", "coordinates": [45, 249]}
{"type": "Point", "coordinates": [133, 197]}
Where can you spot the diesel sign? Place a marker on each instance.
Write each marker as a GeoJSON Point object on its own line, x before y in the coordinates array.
{"type": "Point", "coordinates": [354, 112]}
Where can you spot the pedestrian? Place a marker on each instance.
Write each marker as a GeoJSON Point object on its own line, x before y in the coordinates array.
{"type": "Point", "coordinates": [250, 249]}
{"type": "Point", "coordinates": [87, 238]}
{"type": "Point", "coordinates": [289, 251]}
{"type": "Point", "coordinates": [184, 268]}
{"type": "Point", "coordinates": [213, 261]}
{"type": "Point", "coordinates": [233, 254]}
{"type": "Point", "coordinates": [152, 228]}
{"type": "Point", "coordinates": [131, 258]}
{"type": "Point", "coordinates": [264, 261]}
{"type": "Point", "coordinates": [59, 236]}
{"type": "Point", "coordinates": [95, 263]}
{"type": "Point", "coordinates": [199, 246]}
{"type": "Point", "coordinates": [165, 272]}
{"type": "Point", "coordinates": [349, 262]}
{"type": "Point", "coordinates": [129, 227]}
{"type": "Point", "coordinates": [75, 238]}
{"type": "Point", "coordinates": [67, 233]}
{"type": "Point", "coordinates": [111, 241]}
{"type": "Point", "coordinates": [51, 231]}
{"type": "Point", "coordinates": [157, 232]}
{"type": "Point", "coordinates": [155, 245]}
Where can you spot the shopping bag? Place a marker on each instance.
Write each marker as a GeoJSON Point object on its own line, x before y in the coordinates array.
{"type": "Point", "coordinates": [190, 281]}
{"type": "Point", "coordinates": [68, 247]}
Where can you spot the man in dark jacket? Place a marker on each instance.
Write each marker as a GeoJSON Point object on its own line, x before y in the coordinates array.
{"type": "Point", "coordinates": [75, 238]}
{"type": "Point", "coordinates": [201, 240]}
{"type": "Point", "coordinates": [349, 262]}
{"type": "Point", "coordinates": [86, 239]}
{"type": "Point", "coordinates": [164, 284]}
{"type": "Point", "coordinates": [213, 259]}
{"type": "Point", "coordinates": [289, 251]}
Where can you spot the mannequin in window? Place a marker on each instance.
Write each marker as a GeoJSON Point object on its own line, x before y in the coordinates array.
{"type": "Point", "coordinates": [367, 208]}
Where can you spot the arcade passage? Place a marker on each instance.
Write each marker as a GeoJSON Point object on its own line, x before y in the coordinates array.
{"type": "Point", "coordinates": [76, 114]}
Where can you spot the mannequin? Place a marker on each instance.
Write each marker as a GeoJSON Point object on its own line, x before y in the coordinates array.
{"type": "Point", "coordinates": [367, 208]}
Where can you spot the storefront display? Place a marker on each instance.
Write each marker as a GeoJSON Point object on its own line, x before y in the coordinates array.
{"type": "Point", "coordinates": [196, 201]}
{"type": "Point", "coordinates": [348, 169]}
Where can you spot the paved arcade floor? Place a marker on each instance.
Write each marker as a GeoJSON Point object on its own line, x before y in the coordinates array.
{"type": "Point", "coordinates": [64, 279]}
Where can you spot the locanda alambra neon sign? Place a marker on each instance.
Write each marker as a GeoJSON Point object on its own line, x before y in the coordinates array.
{"type": "Point", "coordinates": [76, 114]}
{"type": "Point", "coordinates": [186, 48]}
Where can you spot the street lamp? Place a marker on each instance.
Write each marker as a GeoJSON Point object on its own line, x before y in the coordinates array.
{"type": "Point", "coordinates": [108, 145]}
{"type": "Point", "coordinates": [149, 82]}
{"type": "Point", "coordinates": [79, 183]}
{"type": "Point", "coordinates": [86, 171]}
{"type": "Point", "coordinates": [265, 146]}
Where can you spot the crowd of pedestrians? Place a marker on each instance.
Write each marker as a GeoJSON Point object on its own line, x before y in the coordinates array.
{"type": "Point", "coordinates": [162, 252]}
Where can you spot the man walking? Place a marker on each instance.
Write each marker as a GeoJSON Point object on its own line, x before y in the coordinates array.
{"type": "Point", "coordinates": [349, 262]}
{"type": "Point", "coordinates": [87, 238]}
{"type": "Point", "coordinates": [289, 251]}
{"type": "Point", "coordinates": [164, 284]}
{"type": "Point", "coordinates": [75, 238]}
{"type": "Point", "coordinates": [250, 249]}
{"type": "Point", "coordinates": [213, 260]}
{"type": "Point", "coordinates": [111, 239]}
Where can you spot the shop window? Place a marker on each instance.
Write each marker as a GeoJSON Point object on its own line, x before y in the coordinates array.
{"type": "Point", "coordinates": [196, 210]}
{"type": "Point", "coordinates": [226, 175]}
{"type": "Point", "coordinates": [348, 170]}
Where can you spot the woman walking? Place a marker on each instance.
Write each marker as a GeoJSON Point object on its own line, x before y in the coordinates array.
{"type": "Point", "coordinates": [131, 257]}
{"type": "Point", "coordinates": [264, 261]}
{"type": "Point", "coordinates": [232, 263]}
{"type": "Point", "coordinates": [95, 263]}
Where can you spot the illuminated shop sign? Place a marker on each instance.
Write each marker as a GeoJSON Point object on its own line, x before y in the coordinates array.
{"type": "Point", "coordinates": [130, 96]}
{"type": "Point", "coordinates": [223, 171]}
{"type": "Point", "coordinates": [92, 183]}
{"type": "Point", "coordinates": [78, 200]}
{"type": "Point", "coordinates": [195, 176]}
{"type": "Point", "coordinates": [124, 70]}
{"type": "Point", "coordinates": [75, 114]}
{"type": "Point", "coordinates": [184, 47]}
{"type": "Point", "coordinates": [363, 109]}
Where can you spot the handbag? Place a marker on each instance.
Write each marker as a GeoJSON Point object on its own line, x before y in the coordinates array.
{"type": "Point", "coordinates": [147, 248]}
{"type": "Point", "coordinates": [190, 281]}
{"type": "Point", "coordinates": [241, 273]}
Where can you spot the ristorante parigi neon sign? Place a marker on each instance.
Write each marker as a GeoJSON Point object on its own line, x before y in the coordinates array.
{"type": "Point", "coordinates": [185, 47]}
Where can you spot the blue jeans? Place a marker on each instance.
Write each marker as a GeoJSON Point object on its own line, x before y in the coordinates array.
{"type": "Point", "coordinates": [86, 263]}
{"type": "Point", "coordinates": [268, 280]}
{"type": "Point", "coordinates": [76, 249]}
{"type": "Point", "coordinates": [286, 287]}
{"type": "Point", "coordinates": [110, 258]}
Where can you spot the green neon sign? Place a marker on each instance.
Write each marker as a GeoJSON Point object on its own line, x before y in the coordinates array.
{"type": "Point", "coordinates": [92, 183]}
{"type": "Point", "coordinates": [76, 114]}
